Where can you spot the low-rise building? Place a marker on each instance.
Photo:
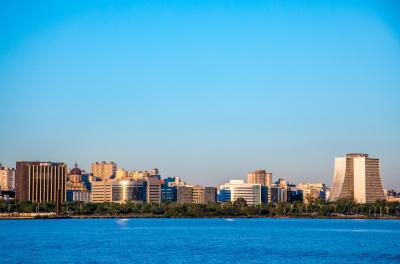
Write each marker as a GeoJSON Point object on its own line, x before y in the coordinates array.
{"type": "Point", "coordinates": [235, 189]}
{"type": "Point", "coordinates": [184, 194]}
{"type": "Point", "coordinates": [118, 191]}
{"type": "Point", "coordinates": [312, 191]}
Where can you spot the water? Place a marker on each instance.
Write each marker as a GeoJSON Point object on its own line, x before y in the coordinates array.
{"type": "Point", "coordinates": [199, 240]}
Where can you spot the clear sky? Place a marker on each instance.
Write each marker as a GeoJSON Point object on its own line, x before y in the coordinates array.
{"type": "Point", "coordinates": [204, 90]}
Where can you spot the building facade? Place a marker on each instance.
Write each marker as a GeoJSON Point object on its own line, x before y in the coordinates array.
{"type": "Point", "coordinates": [184, 194]}
{"type": "Point", "coordinates": [278, 194]}
{"type": "Point", "coordinates": [7, 179]}
{"type": "Point", "coordinates": [104, 170]}
{"type": "Point", "coordinates": [118, 191]}
{"type": "Point", "coordinates": [260, 176]}
{"type": "Point", "coordinates": [357, 177]}
{"type": "Point", "coordinates": [263, 178]}
{"type": "Point", "coordinates": [235, 189]}
{"type": "Point", "coordinates": [312, 191]}
{"type": "Point", "coordinates": [153, 188]}
{"type": "Point", "coordinates": [40, 181]}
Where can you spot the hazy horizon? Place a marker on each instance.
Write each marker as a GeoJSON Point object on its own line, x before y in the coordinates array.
{"type": "Point", "coordinates": [205, 91]}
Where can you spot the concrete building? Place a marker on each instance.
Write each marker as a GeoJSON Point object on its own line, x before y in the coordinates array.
{"type": "Point", "coordinates": [312, 191]}
{"type": "Point", "coordinates": [184, 194]}
{"type": "Point", "coordinates": [74, 183]}
{"type": "Point", "coordinates": [118, 191]}
{"type": "Point", "coordinates": [153, 188]}
{"type": "Point", "coordinates": [7, 179]}
{"type": "Point", "coordinates": [169, 189]}
{"type": "Point", "coordinates": [278, 194]}
{"type": "Point", "coordinates": [121, 174]}
{"type": "Point", "coordinates": [203, 195]}
{"type": "Point", "coordinates": [357, 177]}
{"type": "Point", "coordinates": [210, 195]}
{"type": "Point", "coordinates": [235, 189]}
{"type": "Point", "coordinates": [260, 176]}
{"type": "Point", "coordinates": [101, 191]}
{"type": "Point", "coordinates": [81, 196]}
{"type": "Point", "coordinates": [40, 181]}
{"type": "Point", "coordinates": [104, 170]}
{"type": "Point", "coordinates": [264, 178]}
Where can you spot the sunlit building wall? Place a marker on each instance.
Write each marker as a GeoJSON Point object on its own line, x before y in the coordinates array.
{"type": "Point", "coordinates": [40, 181]}
{"type": "Point", "coordinates": [357, 177]}
{"type": "Point", "coordinates": [236, 189]}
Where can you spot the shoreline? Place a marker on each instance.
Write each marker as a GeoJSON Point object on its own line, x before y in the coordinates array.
{"type": "Point", "coordinates": [77, 217]}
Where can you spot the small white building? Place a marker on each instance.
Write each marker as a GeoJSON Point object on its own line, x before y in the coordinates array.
{"type": "Point", "coordinates": [235, 189]}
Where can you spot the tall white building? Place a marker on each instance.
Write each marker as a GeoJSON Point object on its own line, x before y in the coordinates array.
{"type": "Point", "coordinates": [235, 189]}
{"type": "Point", "coordinates": [358, 177]}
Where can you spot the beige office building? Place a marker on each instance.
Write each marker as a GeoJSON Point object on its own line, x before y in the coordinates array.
{"type": "Point", "coordinates": [7, 179]}
{"type": "Point", "coordinates": [260, 176]}
{"type": "Point", "coordinates": [184, 194]}
{"type": "Point", "coordinates": [203, 195]}
{"type": "Point", "coordinates": [312, 191]}
{"type": "Point", "coordinates": [121, 174]}
{"type": "Point", "coordinates": [358, 177]}
{"type": "Point", "coordinates": [153, 188]}
{"type": "Point", "coordinates": [104, 170]}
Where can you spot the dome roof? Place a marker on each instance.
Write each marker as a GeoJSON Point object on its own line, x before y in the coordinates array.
{"type": "Point", "coordinates": [75, 171]}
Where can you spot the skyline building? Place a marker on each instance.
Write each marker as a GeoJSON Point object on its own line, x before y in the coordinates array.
{"type": "Point", "coordinates": [121, 174]}
{"type": "Point", "coordinates": [40, 181]}
{"type": "Point", "coordinates": [264, 178]}
{"type": "Point", "coordinates": [74, 183]}
{"type": "Point", "coordinates": [184, 194]}
{"type": "Point", "coordinates": [7, 179]}
{"type": "Point", "coordinates": [153, 188]}
{"type": "Point", "coordinates": [312, 191]}
{"type": "Point", "coordinates": [260, 176]}
{"type": "Point", "coordinates": [104, 170]}
{"type": "Point", "coordinates": [357, 177]}
{"type": "Point", "coordinates": [118, 191]}
{"type": "Point", "coordinates": [235, 189]}
{"type": "Point", "coordinates": [203, 195]}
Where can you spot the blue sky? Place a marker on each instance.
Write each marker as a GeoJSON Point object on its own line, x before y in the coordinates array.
{"type": "Point", "coordinates": [204, 90]}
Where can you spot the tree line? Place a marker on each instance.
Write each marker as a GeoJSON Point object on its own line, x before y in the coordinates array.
{"type": "Point", "coordinates": [239, 208]}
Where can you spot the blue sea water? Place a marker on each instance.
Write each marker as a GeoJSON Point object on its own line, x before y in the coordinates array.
{"type": "Point", "coordinates": [199, 240]}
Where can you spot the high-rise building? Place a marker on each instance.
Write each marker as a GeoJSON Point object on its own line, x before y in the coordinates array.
{"type": "Point", "coordinates": [40, 181]}
{"type": "Point", "coordinates": [7, 179]}
{"type": "Point", "coordinates": [235, 189]}
{"type": "Point", "coordinates": [260, 176]}
{"type": "Point", "coordinates": [357, 177]}
{"type": "Point", "coordinates": [263, 178]}
{"type": "Point", "coordinates": [121, 174]}
{"type": "Point", "coordinates": [104, 170]}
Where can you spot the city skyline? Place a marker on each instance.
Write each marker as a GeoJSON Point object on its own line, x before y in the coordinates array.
{"type": "Point", "coordinates": [205, 91]}
{"type": "Point", "coordinates": [106, 169]}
